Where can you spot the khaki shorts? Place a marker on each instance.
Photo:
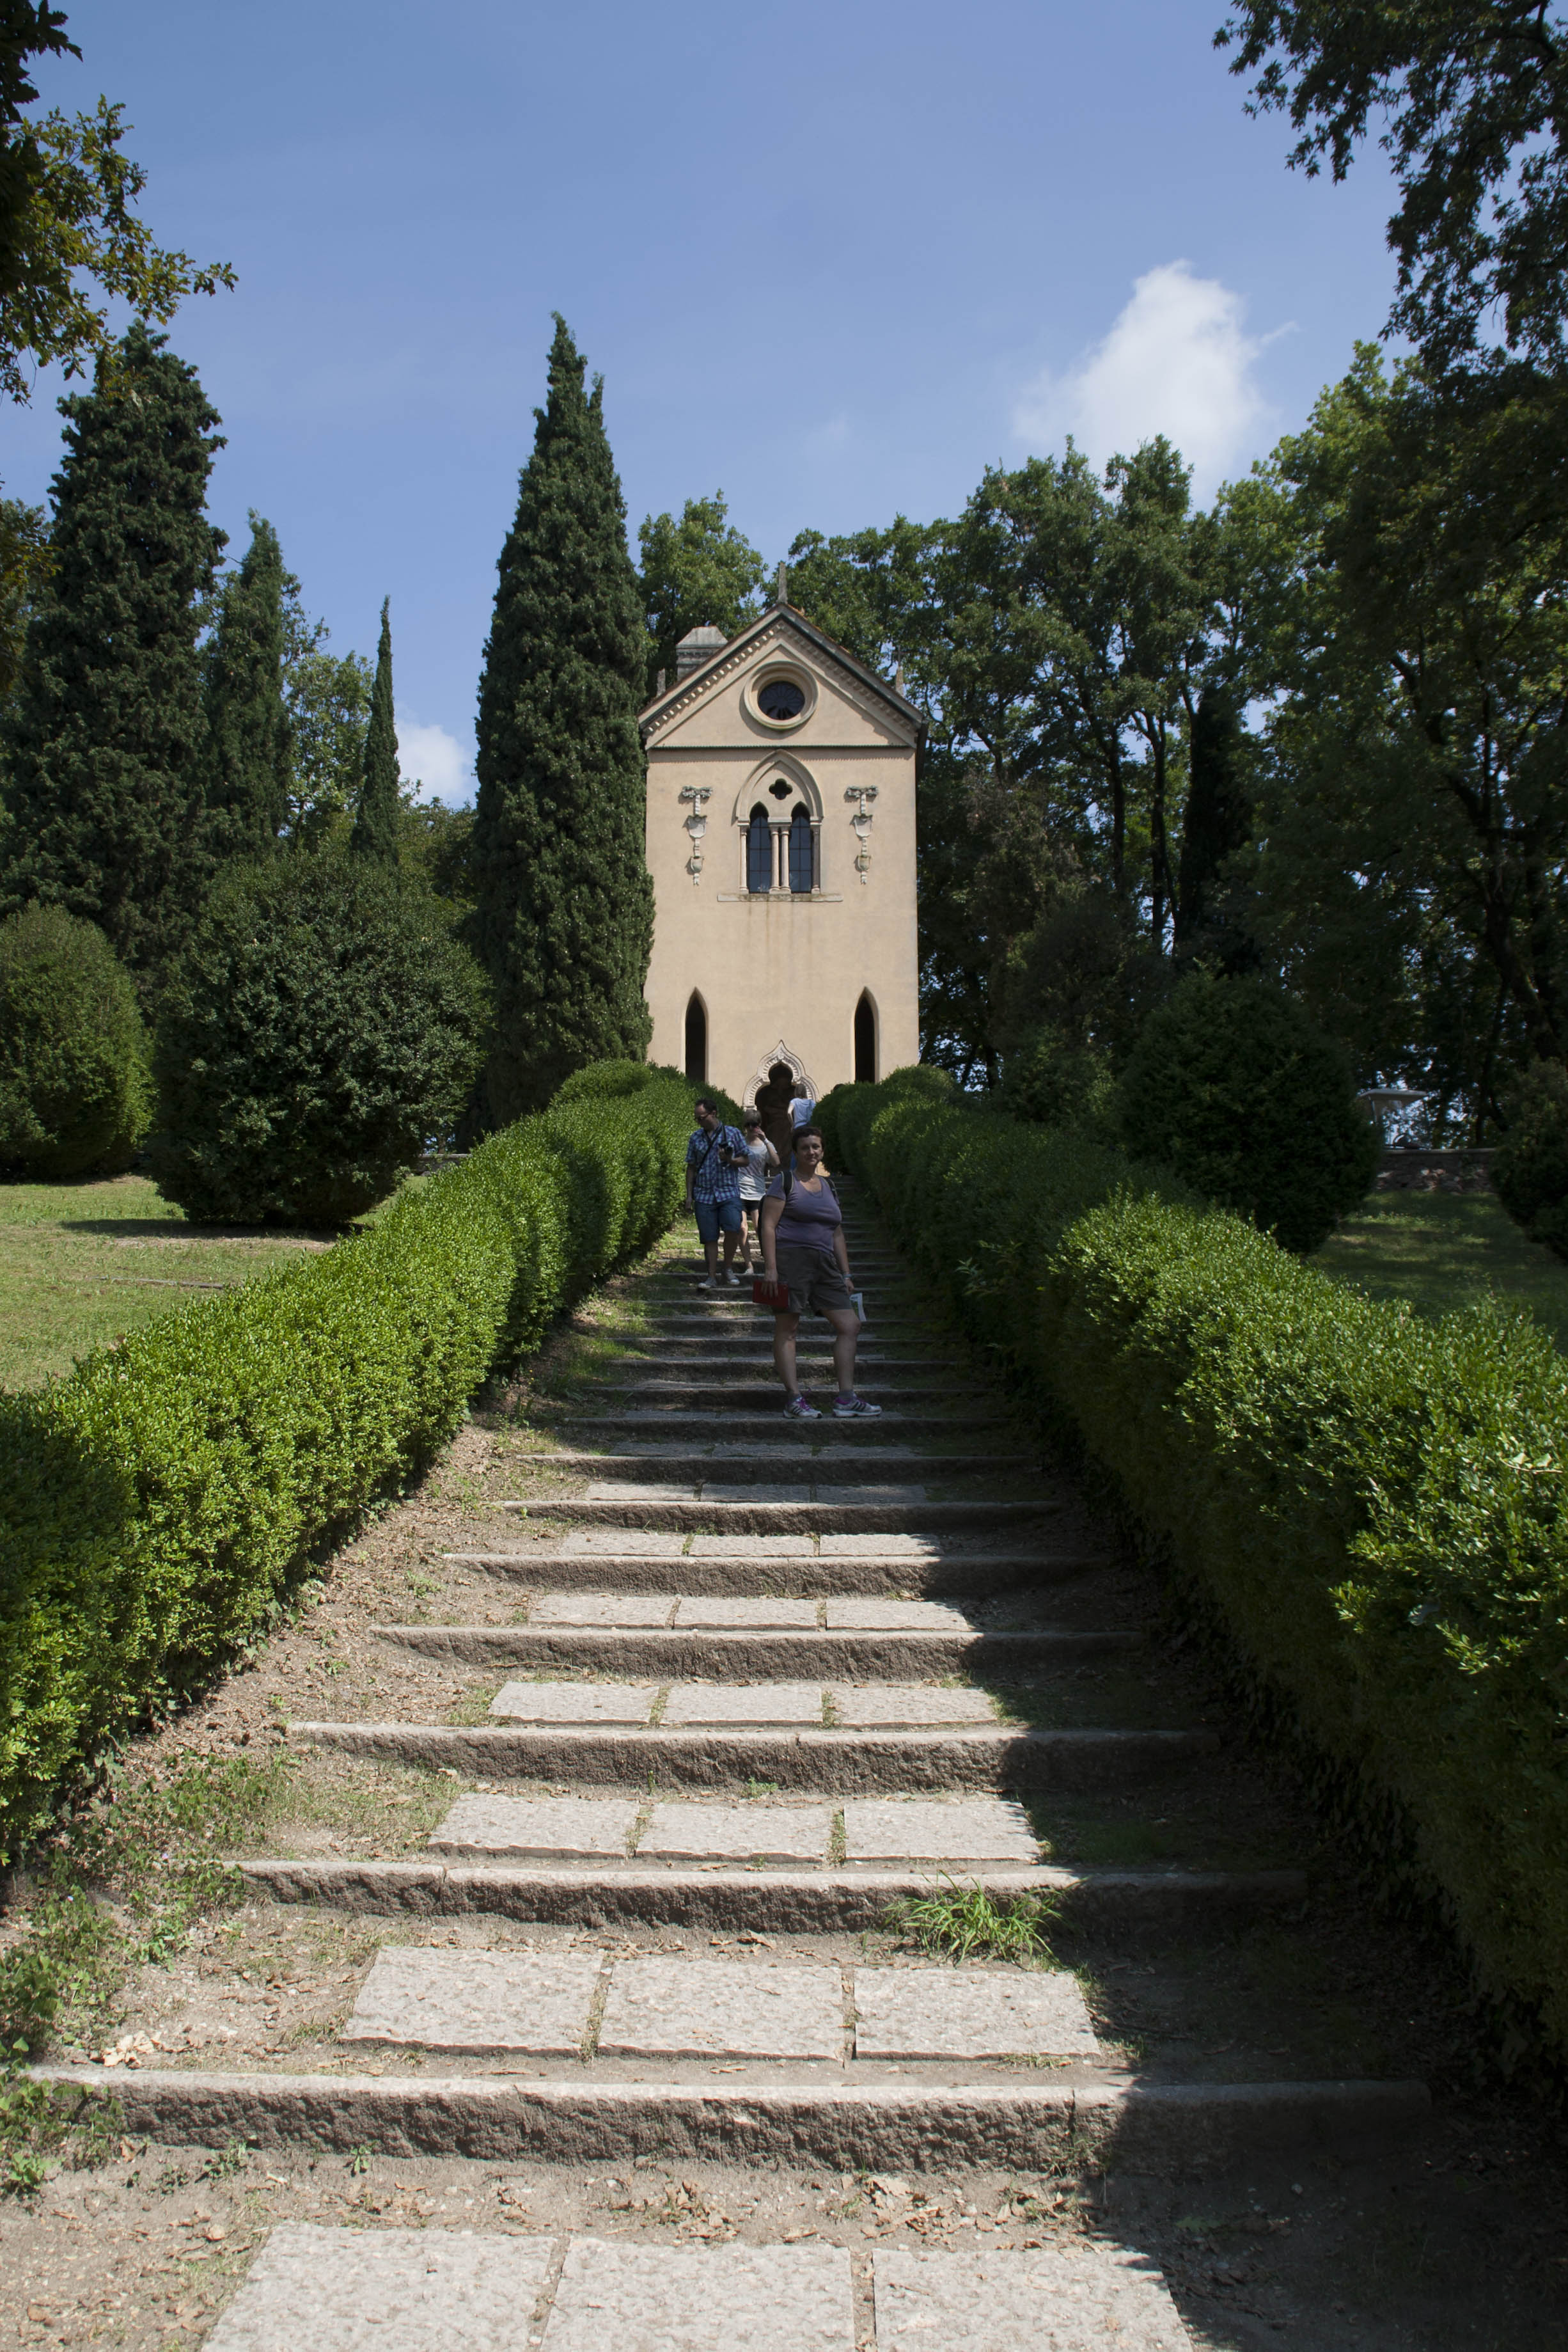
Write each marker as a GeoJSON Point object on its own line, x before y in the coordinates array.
{"type": "Point", "coordinates": [816, 1281]}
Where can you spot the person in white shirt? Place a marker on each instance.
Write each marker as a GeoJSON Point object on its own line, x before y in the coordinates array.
{"type": "Point", "coordinates": [802, 1112]}
{"type": "Point", "coordinates": [762, 1164]}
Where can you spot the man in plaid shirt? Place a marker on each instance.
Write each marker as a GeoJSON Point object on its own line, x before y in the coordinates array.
{"type": "Point", "coordinates": [715, 1157]}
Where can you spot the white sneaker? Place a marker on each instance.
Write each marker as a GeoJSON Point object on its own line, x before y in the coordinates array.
{"type": "Point", "coordinates": [732, 1281]}
{"type": "Point", "coordinates": [707, 1282]}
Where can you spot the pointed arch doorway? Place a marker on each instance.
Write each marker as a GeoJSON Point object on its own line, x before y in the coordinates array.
{"type": "Point", "coordinates": [865, 1040]}
{"type": "Point", "coordinates": [696, 1040]}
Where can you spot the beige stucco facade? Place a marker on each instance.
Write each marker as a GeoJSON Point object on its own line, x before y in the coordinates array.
{"type": "Point", "coordinates": [776, 972]}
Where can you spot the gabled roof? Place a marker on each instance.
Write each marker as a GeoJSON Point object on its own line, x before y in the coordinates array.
{"type": "Point", "coordinates": [777, 621]}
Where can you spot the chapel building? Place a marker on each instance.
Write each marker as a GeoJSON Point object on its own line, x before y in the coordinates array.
{"type": "Point", "coordinates": [781, 838]}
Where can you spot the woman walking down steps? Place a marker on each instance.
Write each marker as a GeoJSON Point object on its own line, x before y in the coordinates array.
{"type": "Point", "coordinates": [627, 1994]}
{"type": "Point", "coordinates": [803, 1246]}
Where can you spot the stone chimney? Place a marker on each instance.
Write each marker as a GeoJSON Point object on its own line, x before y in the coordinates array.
{"type": "Point", "coordinates": [696, 649]}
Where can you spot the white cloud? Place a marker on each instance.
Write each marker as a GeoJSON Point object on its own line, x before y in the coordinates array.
{"type": "Point", "coordinates": [439, 761]}
{"type": "Point", "coordinates": [1176, 361]}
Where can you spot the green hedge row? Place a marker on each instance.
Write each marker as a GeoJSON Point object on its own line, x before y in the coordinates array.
{"type": "Point", "coordinates": [1372, 1504]}
{"type": "Point", "coordinates": [156, 1505]}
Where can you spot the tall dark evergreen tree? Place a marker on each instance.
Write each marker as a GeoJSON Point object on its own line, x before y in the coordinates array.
{"type": "Point", "coordinates": [107, 738]}
{"type": "Point", "coordinates": [249, 770]}
{"type": "Point", "coordinates": [375, 825]}
{"type": "Point", "coordinates": [1219, 822]}
{"type": "Point", "coordinates": [564, 912]}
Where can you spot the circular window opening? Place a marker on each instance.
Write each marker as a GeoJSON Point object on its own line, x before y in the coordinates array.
{"type": "Point", "coordinates": [780, 698]}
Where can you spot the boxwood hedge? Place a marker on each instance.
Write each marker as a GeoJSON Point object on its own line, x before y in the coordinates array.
{"type": "Point", "coordinates": [1370, 1503]}
{"type": "Point", "coordinates": [156, 1505]}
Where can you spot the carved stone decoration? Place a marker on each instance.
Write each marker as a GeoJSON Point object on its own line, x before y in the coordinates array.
{"type": "Point", "coordinates": [862, 821]}
{"type": "Point", "coordinates": [695, 796]}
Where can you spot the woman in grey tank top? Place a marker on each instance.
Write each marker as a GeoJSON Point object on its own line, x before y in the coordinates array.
{"type": "Point", "coordinates": [802, 1236]}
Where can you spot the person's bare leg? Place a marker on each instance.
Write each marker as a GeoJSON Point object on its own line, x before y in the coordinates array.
{"type": "Point", "coordinates": [710, 1251]}
{"type": "Point", "coordinates": [846, 1325]}
{"type": "Point", "coordinates": [784, 1330]}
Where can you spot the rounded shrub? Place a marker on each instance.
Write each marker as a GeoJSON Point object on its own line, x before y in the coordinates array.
{"type": "Point", "coordinates": [1232, 1086]}
{"type": "Point", "coordinates": [1530, 1171]}
{"type": "Point", "coordinates": [613, 1081]}
{"type": "Point", "coordinates": [1048, 1079]}
{"type": "Point", "coordinates": [323, 1029]}
{"type": "Point", "coordinates": [75, 1096]}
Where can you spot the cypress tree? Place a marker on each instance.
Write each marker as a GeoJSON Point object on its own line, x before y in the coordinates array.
{"type": "Point", "coordinates": [248, 772]}
{"type": "Point", "coordinates": [564, 911]}
{"type": "Point", "coordinates": [1219, 820]}
{"type": "Point", "coordinates": [107, 732]}
{"type": "Point", "coordinates": [375, 827]}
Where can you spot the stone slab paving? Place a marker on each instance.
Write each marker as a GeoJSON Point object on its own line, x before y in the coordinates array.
{"type": "Point", "coordinates": [744, 1703]}
{"type": "Point", "coordinates": [468, 1999]}
{"type": "Point", "coordinates": [616, 2296]}
{"type": "Point", "coordinates": [857, 1615]}
{"type": "Point", "coordinates": [684, 2007]}
{"type": "Point", "coordinates": [600, 1609]}
{"type": "Point", "coordinates": [752, 1614]}
{"type": "Point", "coordinates": [757, 1549]}
{"type": "Point", "coordinates": [621, 1542]}
{"type": "Point", "coordinates": [971, 2012]}
{"type": "Point", "coordinates": [575, 1702]}
{"type": "Point", "coordinates": [385, 2291]}
{"type": "Point", "coordinates": [890, 1547]}
{"type": "Point", "coordinates": [496, 1826]}
{"type": "Point", "coordinates": [971, 1829]}
{"type": "Point", "coordinates": [697, 1833]}
{"type": "Point", "coordinates": [864, 1706]}
{"type": "Point", "coordinates": [1067, 2298]}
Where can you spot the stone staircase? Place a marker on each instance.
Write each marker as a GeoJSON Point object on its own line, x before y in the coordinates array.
{"type": "Point", "coordinates": [774, 1680]}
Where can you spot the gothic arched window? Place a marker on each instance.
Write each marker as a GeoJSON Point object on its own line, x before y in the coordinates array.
{"type": "Point", "coordinates": [759, 851]}
{"type": "Point", "coordinates": [696, 1039]}
{"type": "Point", "coordinates": [865, 1041]}
{"type": "Point", "coordinates": [802, 864]}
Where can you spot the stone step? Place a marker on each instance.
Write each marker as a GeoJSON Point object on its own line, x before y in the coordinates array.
{"type": "Point", "coordinates": [831, 1760]}
{"type": "Point", "coordinates": [742, 1346]}
{"type": "Point", "coordinates": [795, 1563]}
{"type": "Point", "coordinates": [815, 1456]}
{"type": "Point", "coordinates": [800, 1510]}
{"type": "Point", "coordinates": [788, 1899]}
{"type": "Point", "coordinates": [759, 1654]}
{"type": "Point", "coordinates": [894, 1392]}
{"type": "Point", "coordinates": [1032, 2123]}
{"type": "Point", "coordinates": [338, 2289]}
{"type": "Point", "coordinates": [729, 1315]}
{"type": "Point", "coordinates": [602, 1423]}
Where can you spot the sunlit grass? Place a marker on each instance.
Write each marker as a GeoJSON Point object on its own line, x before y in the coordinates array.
{"type": "Point", "coordinates": [1437, 1251]}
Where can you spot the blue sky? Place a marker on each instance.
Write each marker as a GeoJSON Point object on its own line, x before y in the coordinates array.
{"type": "Point", "coordinates": [833, 260]}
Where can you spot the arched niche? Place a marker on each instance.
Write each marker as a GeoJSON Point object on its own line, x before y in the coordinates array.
{"type": "Point", "coordinates": [696, 1040]}
{"type": "Point", "coordinates": [865, 1040]}
{"type": "Point", "coordinates": [783, 768]}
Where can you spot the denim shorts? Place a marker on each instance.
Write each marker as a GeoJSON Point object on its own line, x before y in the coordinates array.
{"type": "Point", "coordinates": [815, 1278]}
{"type": "Point", "coordinates": [715, 1217]}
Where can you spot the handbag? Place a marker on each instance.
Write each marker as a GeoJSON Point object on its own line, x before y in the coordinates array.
{"type": "Point", "coordinates": [775, 1294]}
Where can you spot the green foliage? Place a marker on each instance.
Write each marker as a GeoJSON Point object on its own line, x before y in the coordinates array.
{"type": "Point", "coordinates": [564, 914]}
{"type": "Point", "coordinates": [67, 219]}
{"type": "Point", "coordinates": [698, 572]}
{"type": "Point", "coordinates": [1530, 1173]}
{"type": "Point", "coordinates": [1369, 1502]}
{"type": "Point", "coordinates": [323, 1027]}
{"type": "Point", "coordinates": [74, 1091]}
{"type": "Point", "coordinates": [970, 1923]}
{"type": "Point", "coordinates": [249, 764]}
{"type": "Point", "coordinates": [24, 567]}
{"type": "Point", "coordinates": [328, 700]}
{"type": "Point", "coordinates": [1216, 824]}
{"type": "Point", "coordinates": [108, 734]}
{"type": "Point", "coordinates": [1048, 1079]}
{"type": "Point", "coordinates": [158, 1505]}
{"type": "Point", "coordinates": [1234, 1086]}
{"type": "Point", "coordinates": [375, 833]}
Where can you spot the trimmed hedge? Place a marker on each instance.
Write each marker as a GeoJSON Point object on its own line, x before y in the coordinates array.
{"type": "Point", "coordinates": [156, 1506]}
{"type": "Point", "coordinates": [1372, 1504]}
{"type": "Point", "coordinates": [75, 1096]}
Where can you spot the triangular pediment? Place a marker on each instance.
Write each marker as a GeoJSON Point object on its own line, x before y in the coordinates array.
{"type": "Point", "coordinates": [784, 631]}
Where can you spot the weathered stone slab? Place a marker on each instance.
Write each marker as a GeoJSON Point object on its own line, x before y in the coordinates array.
{"type": "Point", "coordinates": [871, 1615]}
{"type": "Point", "coordinates": [744, 1703]}
{"type": "Point", "coordinates": [622, 1543]}
{"type": "Point", "coordinates": [884, 1497]}
{"type": "Point", "coordinates": [722, 1608]}
{"type": "Point", "coordinates": [499, 1826]}
{"type": "Point", "coordinates": [798, 1491]}
{"type": "Point", "coordinates": [775, 1833]}
{"type": "Point", "coordinates": [468, 1999]}
{"type": "Point", "coordinates": [875, 1706]}
{"type": "Point", "coordinates": [971, 2013]}
{"type": "Point", "coordinates": [971, 1829]}
{"type": "Point", "coordinates": [627, 1490]}
{"type": "Point", "coordinates": [617, 2295]}
{"type": "Point", "coordinates": [688, 2007]}
{"type": "Point", "coordinates": [600, 1609]}
{"type": "Point", "coordinates": [385, 2291]}
{"type": "Point", "coordinates": [753, 1547]}
{"type": "Point", "coordinates": [881, 1547]}
{"type": "Point", "coordinates": [1069, 2296]}
{"type": "Point", "coordinates": [575, 1702]}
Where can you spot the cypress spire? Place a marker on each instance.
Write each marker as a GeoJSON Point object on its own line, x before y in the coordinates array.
{"type": "Point", "coordinates": [564, 913]}
{"type": "Point", "coordinates": [375, 827]}
{"type": "Point", "coordinates": [108, 739]}
{"type": "Point", "coordinates": [249, 770]}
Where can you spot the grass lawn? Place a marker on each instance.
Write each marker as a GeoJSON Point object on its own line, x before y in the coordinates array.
{"type": "Point", "coordinates": [1441, 1250]}
{"type": "Point", "coordinates": [82, 1264]}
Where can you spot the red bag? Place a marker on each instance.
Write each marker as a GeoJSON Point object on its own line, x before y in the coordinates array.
{"type": "Point", "coordinates": [775, 1294]}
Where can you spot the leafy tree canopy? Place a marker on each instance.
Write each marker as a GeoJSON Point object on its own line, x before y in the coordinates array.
{"type": "Point", "coordinates": [697, 573]}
